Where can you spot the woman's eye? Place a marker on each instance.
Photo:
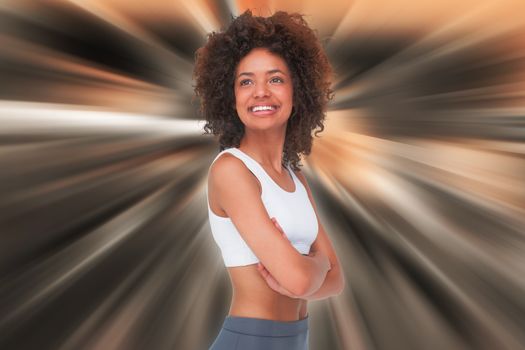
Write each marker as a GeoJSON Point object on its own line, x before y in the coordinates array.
{"type": "Point", "coordinates": [245, 82]}
{"type": "Point", "coordinates": [276, 80]}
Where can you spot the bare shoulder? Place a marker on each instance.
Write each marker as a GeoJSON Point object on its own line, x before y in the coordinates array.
{"type": "Point", "coordinates": [225, 163]}
{"type": "Point", "coordinates": [228, 170]}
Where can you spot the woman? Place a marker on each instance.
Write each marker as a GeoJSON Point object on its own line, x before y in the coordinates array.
{"type": "Point", "coordinates": [264, 86]}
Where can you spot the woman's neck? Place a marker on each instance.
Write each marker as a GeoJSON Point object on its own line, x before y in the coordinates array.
{"type": "Point", "coordinates": [267, 152]}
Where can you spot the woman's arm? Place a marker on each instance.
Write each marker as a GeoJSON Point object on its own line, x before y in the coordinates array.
{"type": "Point", "coordinates": [331, 285]}
{"type": "Point", "coordinates": [334, 281]}
{"type": "Point", "coordinates": [317, 269]}
{"type": "Point", "coordinates": [322, 281]}
{"type": "Point", "coordinates": [323, 264]}
{"type": "Point", "coordinates": [237, 192]}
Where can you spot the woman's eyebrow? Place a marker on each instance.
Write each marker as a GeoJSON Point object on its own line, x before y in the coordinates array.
{"type": "Point", "coordinates": [271, 71]}
{"type": "Point", "coordinates": [246, 73]}
{"type": "Point", "coordinates": [275, 71]}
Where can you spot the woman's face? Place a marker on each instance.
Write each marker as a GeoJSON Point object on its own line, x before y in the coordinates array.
{"type": "Point", "coordinates": [263, 90]}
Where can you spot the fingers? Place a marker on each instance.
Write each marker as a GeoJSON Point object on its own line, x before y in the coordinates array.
{"type": "Point", "coordinates": [260, 267]}
{"type": "Point", "coordinates": [274, 220]}
{"type": "Point", "coordinates": [277, 224]}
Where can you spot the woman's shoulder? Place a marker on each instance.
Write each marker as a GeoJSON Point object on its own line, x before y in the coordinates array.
{"type": "Point", "coordinates": [227, 170]}
{"type": "Point", "coordinates": [224, 163]}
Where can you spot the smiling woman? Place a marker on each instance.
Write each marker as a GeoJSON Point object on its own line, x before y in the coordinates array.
{"type": "Point", "coordinates": [264, 85]}
{"type": "Point", "coordinates": [287, 36]}
{"type": "Point", "coordinates": [263, 88]}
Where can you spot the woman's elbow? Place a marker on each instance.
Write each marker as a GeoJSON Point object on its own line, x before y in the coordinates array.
{"type": "Point", "coordinates": [298, 282]}
{"type": "Point", "coordinates": [294, 281]}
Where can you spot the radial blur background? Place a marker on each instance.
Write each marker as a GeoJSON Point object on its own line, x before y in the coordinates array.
{"type": "Point", "coordinates": [419, 175]}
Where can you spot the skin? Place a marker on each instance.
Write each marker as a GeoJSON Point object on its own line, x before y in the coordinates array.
{"type": "Point", "coordinates": [263, 78]}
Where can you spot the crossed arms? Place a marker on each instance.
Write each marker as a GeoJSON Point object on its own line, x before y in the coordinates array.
{"type": "Point", "coordinates": [316, 276]}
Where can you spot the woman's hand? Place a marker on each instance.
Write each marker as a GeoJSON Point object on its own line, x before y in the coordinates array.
{"type": "Point", "coordinates": [270, 280]}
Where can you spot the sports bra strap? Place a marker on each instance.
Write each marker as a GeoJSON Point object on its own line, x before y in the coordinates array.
{"type": "Point", "coordinates": [251, 164]}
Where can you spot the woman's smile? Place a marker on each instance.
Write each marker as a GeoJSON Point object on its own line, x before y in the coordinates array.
{"type": "Point", "coordinates": [264, 109]}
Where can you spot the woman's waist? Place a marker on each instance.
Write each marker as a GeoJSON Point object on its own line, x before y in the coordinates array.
{"type": "Point", "coordinates": [279, 308]}
{"type": "Point", "coordinates": [253, 297]}
{"type": "Point", "coordinates": [282, 315]}
{"type": "Point", "coordinates": [259, 293]}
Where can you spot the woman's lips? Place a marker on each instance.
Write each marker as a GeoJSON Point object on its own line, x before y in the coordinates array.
{"type": "Point", "coordinates": [264, 111]}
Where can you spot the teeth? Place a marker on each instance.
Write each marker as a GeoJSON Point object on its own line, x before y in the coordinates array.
{"type": "Point", "coordinates": [262, 108]}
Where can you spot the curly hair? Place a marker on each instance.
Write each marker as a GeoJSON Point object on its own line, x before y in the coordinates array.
{"type": "Point", "coordinates": [286, 35]}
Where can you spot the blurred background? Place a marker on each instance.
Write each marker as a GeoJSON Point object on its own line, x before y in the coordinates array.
{"type": "Point", "coordinates": [419, 175]}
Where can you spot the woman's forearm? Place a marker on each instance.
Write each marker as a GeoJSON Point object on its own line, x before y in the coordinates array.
{"type": "Point", "coordinates": [332, 285]}
{"type": "Point", "coordinates": [317, 266]}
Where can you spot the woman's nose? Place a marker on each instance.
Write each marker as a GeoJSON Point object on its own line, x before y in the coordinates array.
{"type": "Point", "coordinates": [261, 90]}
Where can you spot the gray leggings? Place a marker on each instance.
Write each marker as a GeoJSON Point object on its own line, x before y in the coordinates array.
{"type": "Point", "coordinates": [246, 333]}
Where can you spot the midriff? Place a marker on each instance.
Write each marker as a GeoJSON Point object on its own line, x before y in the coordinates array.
{"type": "Point", "coordinates": [252, 297]}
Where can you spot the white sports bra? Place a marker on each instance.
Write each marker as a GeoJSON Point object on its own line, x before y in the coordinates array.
{"type": "Point", "coordinates": [293, 211]}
